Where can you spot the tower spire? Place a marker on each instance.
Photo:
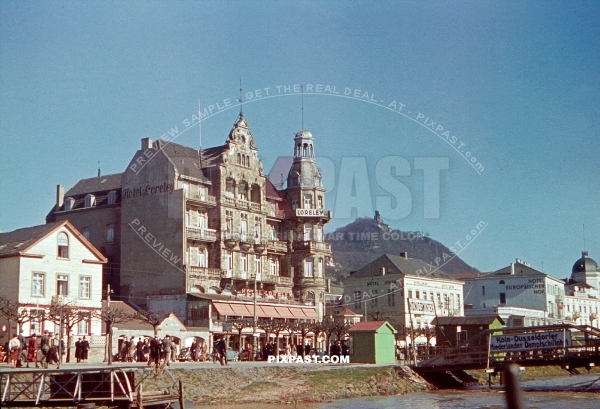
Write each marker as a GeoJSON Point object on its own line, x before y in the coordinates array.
{"type": "Point", "coordinates": [302, 90]}
{"type": "Point", "coordinates": [241, 101]}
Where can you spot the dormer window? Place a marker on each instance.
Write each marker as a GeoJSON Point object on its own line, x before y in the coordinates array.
{"type": "Point", "coordinates": [69, 203]}
{"type": "Point", "coordinates": [112, 197]}
{"type": "Point", "coordinates": [63, 245]}
{"type": "Point", "coordinates": [90, 201]}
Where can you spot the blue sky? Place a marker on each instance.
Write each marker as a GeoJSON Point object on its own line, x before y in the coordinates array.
{"type": "Point", "coordinates": [516, 83]}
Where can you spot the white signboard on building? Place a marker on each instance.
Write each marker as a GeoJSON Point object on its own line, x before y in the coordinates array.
{"type": "Point", "coordinates": [531, 341]}
{"type": "Point", "coordinates": [421, 307]}
{"type": "Point", "coordinates": [310, 212]}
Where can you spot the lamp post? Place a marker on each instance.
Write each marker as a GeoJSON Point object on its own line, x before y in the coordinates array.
{"type": "Point", "coordinates": [254, 323]}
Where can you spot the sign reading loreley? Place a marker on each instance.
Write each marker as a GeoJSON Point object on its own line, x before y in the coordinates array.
{"type": "Point", "coordinates": [526, 342]}
{"type": "Point", "coordinates": [310, 212]}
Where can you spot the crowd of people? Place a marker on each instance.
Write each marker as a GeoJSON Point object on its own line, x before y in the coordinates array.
{"type": "Point", "coordinates": [21, 352]}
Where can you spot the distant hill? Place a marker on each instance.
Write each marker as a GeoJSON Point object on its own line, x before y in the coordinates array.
{"type": "Point", "coordinates": [364, 240]}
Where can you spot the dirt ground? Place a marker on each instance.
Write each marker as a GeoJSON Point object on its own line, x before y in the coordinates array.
{"type": "Point", "coordinates": [289, 384]}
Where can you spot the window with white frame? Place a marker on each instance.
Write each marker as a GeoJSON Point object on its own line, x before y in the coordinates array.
{"type": "Point", "coordinates": [202, 257]}
{"type": "Point", "coordinates": [37, 288]}
{"type": "Point", "coordinates": [83, 326]}
{"type": "Point", "coordinates": [86, 232]}
{"type": "Point", "coordinates": [294, 204]}
{"type": "Point", "coordinates": [36, 320]}
{"type": "Point", "coordinates": [63, 245]}
{"type": "Point", "coordinates": [309, 267]}
{"type": "Point", "coordinates": [318, 233]}
{"type": "Point", "coordinates": [244, 262]}
{"type": "Point", "coordinates": [308, 201]}
{"type": "Point", "coordinates": [110, 233]}
{"type": "Point", "coordinates": [228, 221]}
{"type": "Point", "coordinates": [391, 296]}
{"type": "Point", "coordinates": [62, 285]}
{"type": "Point", "coordinates": [274, 266]}
{"type": "Point", "coordinates": [112, 197]}
{"type": "Point", "coordinates": [228, 260]}
{"type": "Point", "coordinates": [319, 267]}
{"type": "Point", "coordinates": [319, 202]}
{"type": "Point", "coordinates": [258, 264]}
{"type": "Point", "coordinates": [308, 232]}
{"type": "Point", "coordinates": [90, 201]}
{"type": "Point", "coordinates": [243, 226]}
{"type": "Point", "coordinates": [194, 256]}
{"type": "Point", "coordinates": [84, 287]}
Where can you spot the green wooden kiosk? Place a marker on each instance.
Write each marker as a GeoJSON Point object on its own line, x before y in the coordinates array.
{"type": "Point", "coordinates": [373, 342]}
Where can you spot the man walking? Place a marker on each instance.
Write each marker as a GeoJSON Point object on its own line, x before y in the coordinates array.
{"type": "Point", "coordinates": [45, 347]}
{"type": "Point", "coordinates": [167, 347]}
{"type": "Point", "coordinates": [21, 358]}
{"type": "Point", "coordinates": [221, 351]}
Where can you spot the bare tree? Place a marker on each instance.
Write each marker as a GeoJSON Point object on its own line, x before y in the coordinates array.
{"type": "Point", "coordinates": [67, 316]}
{"type": "Point", "coordinates": [303, 327]}
{"type": "Point", "coordinates": [317, 328]}
{"type": "Point", "coordinates": [239, 324]}
{"type": "Point", "coordinates": [11, 312]}
{"type": "Point", "coordinates": [154, 318]}
{"type": "Point", "coordinates": [111, 316]}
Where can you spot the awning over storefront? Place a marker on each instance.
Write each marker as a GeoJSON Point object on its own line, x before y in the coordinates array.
{"type": "Point", "coordinates": [224, 309]}
{"type": "Point", "coordinates": [310, 313]}
{"type": "Point", "coordinates": [284, 312]}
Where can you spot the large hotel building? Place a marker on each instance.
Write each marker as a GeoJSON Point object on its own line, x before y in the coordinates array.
{"type": "Point", "coordinates": [196, 225]}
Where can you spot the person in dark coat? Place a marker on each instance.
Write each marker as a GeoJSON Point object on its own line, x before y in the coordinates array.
{"type": "Point", "coordinates": [32, 350]}
{"type": "Point", "coordinates": [306, 349]}
{"type": "Point", "coordinates": [45, 347]}
{"type": "Point", "coordinates": [154, 351]}
{"type": "Point", "coordinates": [139, 348]}
{"type": "Point", "coordinates": [85, 348]}
{"type": "Point", "coordinates": [221, 351]}
{"type": "Point", "coordinates": [78, 350]}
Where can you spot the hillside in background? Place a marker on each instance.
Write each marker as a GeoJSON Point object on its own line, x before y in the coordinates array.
{"type": "Point", "coordinates": [364, 240]}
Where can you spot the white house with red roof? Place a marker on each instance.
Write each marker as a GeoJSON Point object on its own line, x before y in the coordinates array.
{"type": "Point", "coordinates": [46, 263]}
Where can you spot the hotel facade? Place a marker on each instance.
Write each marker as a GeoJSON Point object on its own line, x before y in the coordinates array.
{"type": "Point", "coordinates": [180, 223]}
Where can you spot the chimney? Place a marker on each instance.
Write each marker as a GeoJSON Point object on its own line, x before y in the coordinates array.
{"type": "Point", "coordinates": [60, 196]}
{"type": "Point", "coordinates": [404, 254]}
{"type": "Point", "coordinates": [146, 143]}
{"type": "Point", "coordinates": [382, 269]}
{"type": "Point", "coordinates": [512, 269]}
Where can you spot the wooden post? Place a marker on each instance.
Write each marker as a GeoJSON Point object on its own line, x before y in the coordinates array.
{"type": "Point", "coordinates": [139, 396]}
{"type": "Point", "coordinates": [181, 398]}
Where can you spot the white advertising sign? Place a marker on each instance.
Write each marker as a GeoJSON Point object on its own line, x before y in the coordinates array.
{"type": "Point", "coordinates": [531, 341]}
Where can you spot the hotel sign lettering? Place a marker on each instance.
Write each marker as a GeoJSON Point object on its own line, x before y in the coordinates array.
{"type": "Point", "coordinates": [531, 341]}
{"type": "Point", "coordinates": [421, 306]}
{"type": "Point", "coordinates": [310, 212]}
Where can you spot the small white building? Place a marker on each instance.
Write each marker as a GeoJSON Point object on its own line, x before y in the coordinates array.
{"type": "Point", "coordinates": [50, 262]}
{"type": "Point", "coordinates": [521, 295]}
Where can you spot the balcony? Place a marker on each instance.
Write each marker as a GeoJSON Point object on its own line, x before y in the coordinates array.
{"type": "Point", "coordinates": [228, 201]}
{"type": "Point", "coordinates": [204, 272]}
{"type": "Point", "coordinates": [246, 205]}
{"type": "Point", "coordinates": [203, 199]}
{"type": "Point", "coordinates": [201, 234]}
{"type": "Point", "coordinates": [287, 281]}
{"type": "Point", "coordinates": [312, 246]}
{"type": "Point", "coordinates": [277, 246]}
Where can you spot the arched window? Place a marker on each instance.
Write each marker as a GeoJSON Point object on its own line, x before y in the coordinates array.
{"type": "Point", "coordinates": [310, 298]}
{"type": "Point", "coordinates": [501, 282]}
{"type": "Point", "coordinates": [239, 159]}
{"type": "Point", "coordinates": [63, 245]}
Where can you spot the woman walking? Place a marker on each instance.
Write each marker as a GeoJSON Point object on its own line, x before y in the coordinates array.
{"type": "Point", "coordinates": [13, 347]}
{"type": "Point", "coordinates": [32, 350]}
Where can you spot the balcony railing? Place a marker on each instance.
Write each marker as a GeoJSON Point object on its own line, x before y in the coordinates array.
{"type": "Point", "coordinates": [203, 198]}
{"type": "Point", "coordinates": [312, 245]}
{"type": "Point", "coordinates": [277, 246]}
{"type": "Point", "coordinates": [202, 234]}
{"type": "Point", "coordinates": [204, 272]}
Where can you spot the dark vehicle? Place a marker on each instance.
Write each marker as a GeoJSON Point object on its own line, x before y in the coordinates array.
{"type": "Point", "coordinates": [185, 355]}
